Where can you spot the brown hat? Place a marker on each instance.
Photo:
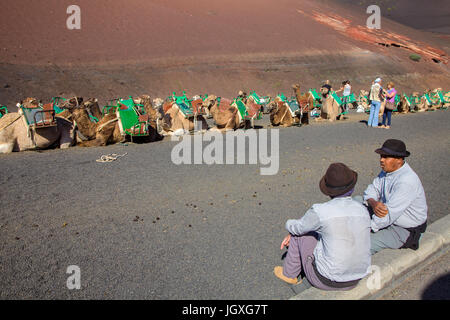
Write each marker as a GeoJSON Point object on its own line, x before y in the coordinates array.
{"type": "Point", "coordinates": [338, 180]}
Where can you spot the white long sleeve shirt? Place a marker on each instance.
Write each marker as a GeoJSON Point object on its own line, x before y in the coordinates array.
{"type": "Point", "coordinates": [343, 250]}
{"type": "Point", "coordinates": [403, 194]}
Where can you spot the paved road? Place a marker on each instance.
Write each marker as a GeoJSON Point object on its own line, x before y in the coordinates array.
{"type": "Point", "coordinates": [203, 232]}
{"type": "Point", "coordinates": [428, 282]}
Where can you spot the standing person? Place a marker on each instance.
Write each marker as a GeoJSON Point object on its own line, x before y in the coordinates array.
{"type": "Point", "coordinates": [390, 105]}
{"type": "Point", "coordinates": [376, 97]}
{"type": "Point", "coordinates": [331, 242]}
{"type": "Point", "coordinates": [397, 199]}
{"type": "Point", "coordinates": [347, 88]}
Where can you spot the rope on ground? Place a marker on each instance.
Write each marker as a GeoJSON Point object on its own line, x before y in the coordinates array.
{"type": "Point", "coordinates": [110, 157]}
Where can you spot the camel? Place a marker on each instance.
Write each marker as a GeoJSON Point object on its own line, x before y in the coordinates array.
{"type": "Point", "coordinates": [305, 102]}
{"type": "Point", "coordinates": [107, 130]}
{"type": "Point", "coordinates": [173, 121]}
{"type": "Point", "coordinates": [280, 114]}
{"type": "Point", "coordinates": [422, 106]}
{"type": "Point", "coordinates": [436, 102]}
{"type": "Point", "coordinates": [403, 106]}
{"type": "Point", "coordinates": [93, 108]}
{"type": "Point", "coordinates": [225, 115]}
{"type": "Point", "coordinates": [16, 135]}
{"type": "Point", "coordinates": [363, 101]}
{"type": "Point", "coordinates": [69, 104]}
{"type": "Point", "coordinates": [101, 133]}
{"type": "Point", "coordinates": [447, 98]}
{"type": "Point", "coordinates": [153, 116]}
{"type": "Point", "coordinates": [330, 109]}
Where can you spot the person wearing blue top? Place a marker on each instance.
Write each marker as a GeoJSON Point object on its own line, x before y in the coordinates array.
{"type": "Point", "coordinates": [397, 200]}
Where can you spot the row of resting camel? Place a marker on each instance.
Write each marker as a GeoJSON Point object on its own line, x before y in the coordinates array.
{"type": "Point", "coordinates": [75, 127]}
{"type": "Point", "coordinates": [419, 103]}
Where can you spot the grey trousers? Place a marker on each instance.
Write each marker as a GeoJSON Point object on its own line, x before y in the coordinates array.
{"type": "Point", "coordinates": [392, 237]}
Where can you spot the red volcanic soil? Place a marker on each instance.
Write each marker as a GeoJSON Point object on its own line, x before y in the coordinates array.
{"type": "Point", "coordinates": [204, 46]}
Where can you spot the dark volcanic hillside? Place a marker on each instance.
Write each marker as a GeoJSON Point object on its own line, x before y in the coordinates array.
{"type": "Point", "coordinates": [203, 46]}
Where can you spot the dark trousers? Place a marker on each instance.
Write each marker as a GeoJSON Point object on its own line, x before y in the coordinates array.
{"type": "Point", "coordinates": [387, 114]}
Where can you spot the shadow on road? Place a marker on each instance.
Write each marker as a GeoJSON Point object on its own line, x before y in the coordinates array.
{"type": "Point", "coordinates": [438, 290]}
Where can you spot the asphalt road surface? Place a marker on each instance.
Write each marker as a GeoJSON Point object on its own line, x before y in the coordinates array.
{"type": "Point", "coordinates": [428, 281]}
{"type": "Point", "coordinates": [142, 227]}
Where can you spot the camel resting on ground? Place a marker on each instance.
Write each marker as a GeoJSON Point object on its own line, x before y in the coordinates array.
{"type": "Point", "coordinates": [305, 102]}
{"type": "Point", "coordinates": [107, 130]}
{"type": "Point", "coordinates": [174, 122]}
{"type": "Point", "coordinates": [330, 109]}
{"type": "Point", "coordinates": [225, 115]}
{"type": "Point", "coordinates": [280, 114]}
{"type": "Point", "coordinates": [16, 135]}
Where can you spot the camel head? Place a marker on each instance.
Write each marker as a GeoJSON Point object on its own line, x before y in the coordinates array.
{"type": "Point", "coordinates": [72, 103]}
{"type": "Point", "coordinates": [144, 100]}
{"type": "Point", "coordinates": [324, 91]}
{"type": "Point", "coordinates": [153, 112]}
{"type": "Point", "coordinates": [271, 105]}
{"type": "Point", "coordinates": [276, 111]}
{"type": "Point", "coordinates": [157, 103]}
{"type": "Point", "coordinates": [210, 101]}
{"type": "Point", "coordinates": [80, 115]}
{"type": "Point", "coordinates": [30, 103]}
{"type": "Point", "coordinates": [91, 105]}
{"type": "Point", "coordinates": [242, 94]}
{"type": "Point", "coordinates": [296, 86]}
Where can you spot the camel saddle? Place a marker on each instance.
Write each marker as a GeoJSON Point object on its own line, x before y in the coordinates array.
{"type": "Point", "coordinates": [131, 122]}
{"type": "Point", "coordinates": [37, 116]}
{"type": "Point", "coordinates": [253, 110]}
{"type": "Point", "coordinates": [224, 105]}
{"type": "Point", "coordinates": [197, 106]}
{"type": "Point", "coordinates": [303, 104]}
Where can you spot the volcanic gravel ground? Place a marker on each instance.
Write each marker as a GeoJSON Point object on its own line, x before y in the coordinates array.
{"type": "Point", "coordinates": [142, 227]}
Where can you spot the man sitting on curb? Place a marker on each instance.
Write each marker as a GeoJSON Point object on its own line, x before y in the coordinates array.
{"type": "Point", "coordinates": [331, 242]}
{"type": "Point", "coordinates": [397, 200]}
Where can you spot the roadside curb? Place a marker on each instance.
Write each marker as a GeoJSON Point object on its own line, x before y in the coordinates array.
{"type": "Point", "coordinates": [389, 265]}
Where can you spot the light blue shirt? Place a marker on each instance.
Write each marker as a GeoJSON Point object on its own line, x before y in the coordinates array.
{"type": "Point", "coordinates": [402, 193]}
{"type": "Point", "coordinates": [343, 250]}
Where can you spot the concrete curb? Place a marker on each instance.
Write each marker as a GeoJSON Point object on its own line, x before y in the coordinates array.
{"type": "Point", "coordinates": [388, 265]}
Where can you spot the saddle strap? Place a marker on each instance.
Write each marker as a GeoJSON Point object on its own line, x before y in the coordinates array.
{"type": "Point", "coordinates": [6, 126]}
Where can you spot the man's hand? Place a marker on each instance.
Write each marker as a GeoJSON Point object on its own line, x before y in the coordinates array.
{"type": "Point", "coordinates": [379, 208]}
{"type": "Point", "coordinates": [286, 241]}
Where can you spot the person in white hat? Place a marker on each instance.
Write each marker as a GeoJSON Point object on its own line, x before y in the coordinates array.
{"type": "Point", "coordinates": [376, 97]}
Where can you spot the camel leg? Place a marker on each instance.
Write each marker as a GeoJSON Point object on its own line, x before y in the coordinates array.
{"type": "Point", "coordinates": [216, 129]}
{"type": "Point", "coordinates": [91, 143]}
